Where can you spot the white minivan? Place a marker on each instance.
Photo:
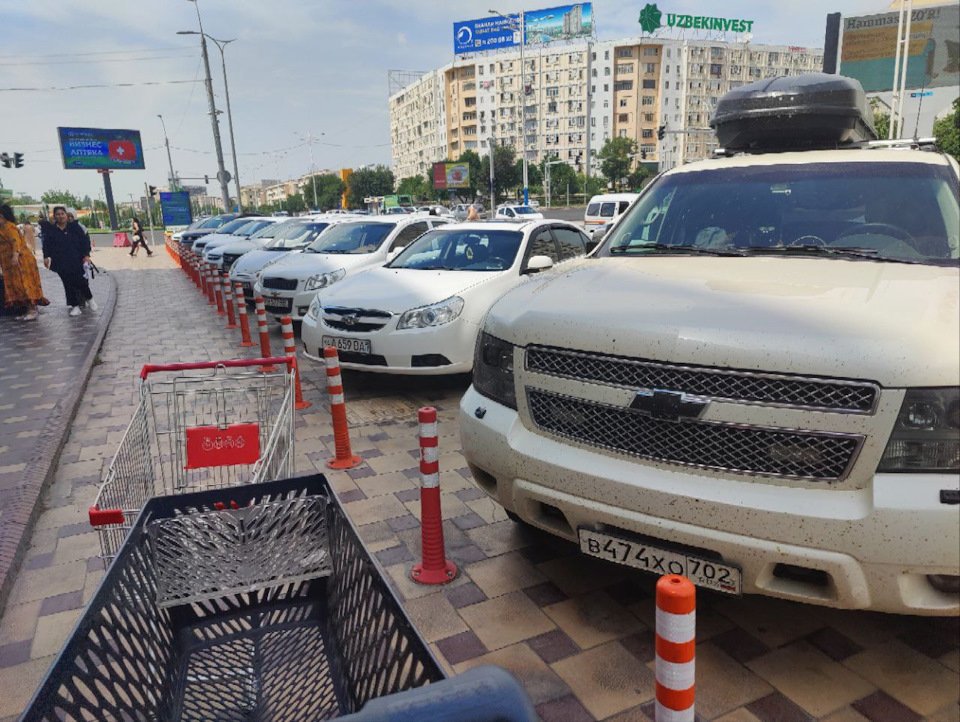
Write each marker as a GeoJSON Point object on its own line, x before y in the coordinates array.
{"type": "Point", "coordinates": [607, 208]}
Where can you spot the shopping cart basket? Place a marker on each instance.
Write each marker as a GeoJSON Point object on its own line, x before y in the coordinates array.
{"type": "Point", "coordinates": [258, 602]}
{"type": "Point", "coordinates": [198, 426]}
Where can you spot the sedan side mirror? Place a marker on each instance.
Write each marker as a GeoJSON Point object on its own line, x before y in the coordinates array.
{"type": "Point", "coordinates": [538, 263]}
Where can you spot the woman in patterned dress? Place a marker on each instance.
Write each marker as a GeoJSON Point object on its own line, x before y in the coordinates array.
{"type": "Point", "coordinates": [21, 279]}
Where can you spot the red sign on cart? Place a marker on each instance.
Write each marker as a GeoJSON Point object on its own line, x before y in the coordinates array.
{"type": "Point", "coordinates": [232, 445]}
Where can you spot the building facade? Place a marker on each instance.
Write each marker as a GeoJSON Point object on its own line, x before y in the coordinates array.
{"type": "Point", "coordinates": [569, 98]}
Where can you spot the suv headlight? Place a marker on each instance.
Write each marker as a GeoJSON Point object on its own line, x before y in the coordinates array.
{"type": "Point", "coordinates": [322, 280]}
{"type": "Point", "coordinates": [435, 314]}
{"type": "Point", "coordinates": [493, 370]}
{"type": "Point", "coordinates": [315, 308]}
{"type": "Point", "coordinates": [926, 436]}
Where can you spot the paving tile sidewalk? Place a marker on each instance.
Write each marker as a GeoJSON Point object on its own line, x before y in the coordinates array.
{"type": "Point", "coordinates": [576, 632]}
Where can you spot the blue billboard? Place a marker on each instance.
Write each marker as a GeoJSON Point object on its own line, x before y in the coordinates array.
{"type": "Point", "coordinates": [101, 148]}
{"type": "Point", "coordinates": [176, 209]}
{"type": "Point", "coordinates": [493, 33]}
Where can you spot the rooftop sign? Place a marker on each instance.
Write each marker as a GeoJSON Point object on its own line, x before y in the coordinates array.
{"type": "Point", "coordinates": [651, 20]}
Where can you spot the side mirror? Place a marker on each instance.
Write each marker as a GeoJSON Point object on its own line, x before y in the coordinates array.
{"type": "Point", "coordinates": [591, 246]}
{"type": "Point", "coordinates": [538, 263]}
{"type": "Point", "coordinates": [600, 233]}
{"type": "Point", "coordinates": [394, 253]}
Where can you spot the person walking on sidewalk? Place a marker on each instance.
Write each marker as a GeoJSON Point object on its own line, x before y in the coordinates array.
{"type": "Point", "coordinates": [29, 235]}
{"type": "Point", "coordinates": [138, 239]}
{"type": "Point", "coordinates": [66, 247]}
{"type": "Point", "coordinates": [21, 279]}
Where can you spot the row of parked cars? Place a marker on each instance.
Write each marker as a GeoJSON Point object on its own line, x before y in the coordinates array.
{"type": "Point", "coordinates": [753, 380]}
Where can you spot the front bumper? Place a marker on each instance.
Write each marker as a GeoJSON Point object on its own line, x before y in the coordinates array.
{"type": "Point", "coordinates": [294, 304]}
{"type": "Point", "coordinates": [876, 544]}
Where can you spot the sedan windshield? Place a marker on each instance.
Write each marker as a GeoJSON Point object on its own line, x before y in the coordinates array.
{"type": "Point", "coordinates": [215, 222]}
{"type": "Point", "coordinates": [233, 226]}
{"type": "Point", "coordinates": [352, 238]}
{"type": "Point", "coordinates": [251, 227]}
{"type": "Point", "coordinates": [268, 231]}
{"type": "Point", "coordinates": [900, 211]}
{"type": "Point", "coordinates": [524, 210]}
{"type": "Point", "coordinates": [461, 250]}
{"type": "Point", "coordinates": [295, 235]}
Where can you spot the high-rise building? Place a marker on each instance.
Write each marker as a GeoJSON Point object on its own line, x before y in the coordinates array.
{"type": "Point", "coordinates": [573, 21]}
{"type": "Point", "coordinates": [567, 92]}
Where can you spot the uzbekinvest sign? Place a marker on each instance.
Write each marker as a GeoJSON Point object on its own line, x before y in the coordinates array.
{"type": "Point", "coordinates": [101, 148]}
{"type": "Point", "coordinates": [651, 20]}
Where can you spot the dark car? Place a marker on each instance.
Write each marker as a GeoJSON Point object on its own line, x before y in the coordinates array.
{"type": "Point", "coordinates": [208, 226]}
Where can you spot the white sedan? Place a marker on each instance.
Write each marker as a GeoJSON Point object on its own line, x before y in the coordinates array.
{"type": "Point", "coordinates": [421, 313]}
{"type": "Point", "coordinates": [518, 214]}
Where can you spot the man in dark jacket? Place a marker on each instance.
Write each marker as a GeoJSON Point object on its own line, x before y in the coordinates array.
{"type": "Point", "coordinates": [66, 247]}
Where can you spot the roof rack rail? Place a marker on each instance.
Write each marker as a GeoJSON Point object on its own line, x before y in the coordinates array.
{"type": "Point", "coordinates": [900, 143]}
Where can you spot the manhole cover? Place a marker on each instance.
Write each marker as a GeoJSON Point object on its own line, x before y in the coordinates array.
{"type": "Point", "coordinates": [375, 411]}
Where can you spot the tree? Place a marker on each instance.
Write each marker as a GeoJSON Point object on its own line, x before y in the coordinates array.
{"type": "Point", "coordinates": [947, 131]}
{"type": "Point", "coordinates": [591, 186]}
{"type": "Point", "coordinates": [636, 177]}
{"type": "Point", "coordinates": [561, 175]}
{"type": "Point", "coordinates": [369, 182]}
{"type": "Point", "coordinates": [534, 175]}
{"type": "Point", "coordinates": [60, 198]}
{"type": "Point", "coordinates": [504, 169]}
{"type": "Point", "coordinates": [295, 204]}
{"type": "Point", "coordinates": [415, 186]}
{"type": "Point", "coordinates": [615, 158]}
{"type": "Point", "coordinates": [329, 188]}
{"type": "Point", "coordinates": [478, 183]}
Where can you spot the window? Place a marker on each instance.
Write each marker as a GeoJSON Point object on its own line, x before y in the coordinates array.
{"type": "Point", "coordinates": [543, 245]}
{"type": "Point", "coordinates": [606, 87]}
{"type": "Point", "coordinates": [606, 104]}
{"type": "Point", "coordinates": [647, 100]}
{"type": "Point", "coordinates": [624, 52]}
{"type": "Point", "coordinates": [606, 54]}
{"type": "Point", "coordinates": [572, 243]}
{"type": "Point", "coordinates": [624, 68]}
{"type": "Point", "coordinates": [623, 133]}
{"type": "Point", "coordinates": [716, 70]}
{"type": "Point", "coordinates": [553, 91]}
{"type": "Point", "coordinates": [624, 102]}
{"type": "Point", "coordinates": [623, 85]}
{"type": "Point", "coordinates": [649, 67]}
{"type": "Point", "coordinates": [404, 237]}
{"type": "Point", "coordinates": [667, 69]}
{"type": "Point", "coordinates": [646, 133]}
{"type": "Point", "coordinates": [651, 52]}
{"type": "Point", "coordinates": [606, 121]}
{"type": "Point", "coordinates": [648, 117]}
{"type": "Point", "coordinates": [650, 84]}
{"type": "Point", "coordinates": [666, 85]}
{"type": "Point", "coordinates": [606, 70]}
{"type": "Point", "coordinates": [623, 117]}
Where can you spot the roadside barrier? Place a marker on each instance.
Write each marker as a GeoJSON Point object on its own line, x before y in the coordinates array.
{"type": "Point", "coordinates": [218, 290]}
{"type": "Point", "coordinates": [264, 334]}
{"type": "Point", "coordinates": [344, 458]}
{"type": "Point", "coordinates": [202, 273]}
{"type": "Point", "coordinates": [195, 271]}
{"type": "Point", "coordinates": [290, 350]}
{"type": "Point", "coordinates": [228, 301]}
{"type": "Point", "coordinates": [434, 567]}
{"type": "Point", "coordinates": [211, 291]}
{"type": "Point", "coordinates": [676, 648]}
{"type": "Point", "coordinates": [245, 341]}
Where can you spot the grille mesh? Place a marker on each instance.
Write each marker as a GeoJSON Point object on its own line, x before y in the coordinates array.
{"type": "Point", "coordinates": [280, 284]}
{"type": "Point", "coordinates": [805, 455]}
{"type": "Point", "coordinates": [714, 383]}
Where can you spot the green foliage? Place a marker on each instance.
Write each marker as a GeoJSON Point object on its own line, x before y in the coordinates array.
{"type": "Point", "coordinates": [368, 182]}
{"type": "Point", "coordinates": [61, 198]}
{"type": "Point", "coordinates": [478, 182]}
{"type": "Point", "coordinates": [592, 186]}
{"type": "Point", "coordinates": [504, 169]}
{"type": "Point", "coordinates": [615, 160]}
{"type": "Point", "coordinates": [295, 204]}
{"type": "Point", "coordinates": [329, 188]}
{"type": "Point", "coordinates": [947, 131]}
{"type": "Point", "coordinates": [415, 186]}
{"type": "Point", "coordinates": [24, 200]}
{"type": "Point", "coordinates": [561, 175]}
{"type": "Point", "coordinates": [637, 177]}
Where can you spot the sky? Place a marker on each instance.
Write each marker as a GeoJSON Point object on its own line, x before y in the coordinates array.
{"type": "Point", "coordinates": [297, 67]}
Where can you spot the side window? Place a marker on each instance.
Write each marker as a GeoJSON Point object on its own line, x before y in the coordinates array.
{"type": "Point", "coordinates": [622, 208]}
{"type": "Point", "coordinates": [542, 244]}
{"type": "Point", "coordinates": [510, 213]}
{"type": "Point", "coordinates": [571, 243]}
{"type": "Point", "coordinates": [408, 234]}
{"type": "Point", "coordinates": [438, 222]}
{"type": "Point", "coordinates": [606, 210]}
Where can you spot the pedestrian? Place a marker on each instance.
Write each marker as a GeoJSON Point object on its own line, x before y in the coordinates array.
{"type": "Point", "coordinates": [21, 279]}
{"type": "Point", "coordinates": [29, 235]}
{"type": "Point", "coordinates": [472, 214]}
{"type": "Point", "coordinates": [138, 239]}
{"type": "Point", "coordinates": [66, 247]}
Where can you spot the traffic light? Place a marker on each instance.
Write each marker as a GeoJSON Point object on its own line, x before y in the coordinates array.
{"type": "Point", "coordinates": [153, 191]}
{"type": "Point", "coordinates": [206, 179]}
{"type": "Point", "coordinates": [11, 161]}
{"type": "Point", "coordinates": [661, 132]}
{"type": "Point", "coordinates": [18, 160]}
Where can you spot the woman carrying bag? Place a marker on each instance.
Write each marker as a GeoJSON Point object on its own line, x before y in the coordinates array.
{"type": "Point", "coordinates": [139, 239]}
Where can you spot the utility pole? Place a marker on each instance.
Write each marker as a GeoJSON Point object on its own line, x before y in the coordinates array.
{"type": "Point", "coordinates": [586, 157]}
{"type": "Point", "coordinates": [313, 168]}
{"type": "Point", "coordinates": [174, 184]}
{"type": "Point", "coordinates": [493, 193]}
{"type": "Point", "coordinates": [221, 44]}
{"type": "Point", "coordinates": [146, 187]}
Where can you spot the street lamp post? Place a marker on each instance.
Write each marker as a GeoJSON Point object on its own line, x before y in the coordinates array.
{"type": "Point", "coordinates": [222, 174]}
{"type": "Point", "coordinates": [221, 44]}
{"type": "Point", "coordinates": [313, 167]}
{"type": "Point", "coordinates": [174, 184]}
{"type": "Point", "coordinates": [523, 99]}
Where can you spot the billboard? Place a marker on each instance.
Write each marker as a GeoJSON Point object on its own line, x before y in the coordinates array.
{"type": "Point", "coordinates": [101, 148]}
{"type": "Point", "coordinates": [451, 175]}
{"type": "Point", "coordinates": [869, 47]}
{"type": "Point", "coordinates": [176, 209]}
{"type": "Point", "coordinates": [493, 33]}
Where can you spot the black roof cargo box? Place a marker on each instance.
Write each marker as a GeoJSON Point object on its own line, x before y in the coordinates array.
{"type": "Point", "coordinates": [815, 110]}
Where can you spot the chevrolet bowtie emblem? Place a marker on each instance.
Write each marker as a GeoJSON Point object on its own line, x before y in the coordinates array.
{"type": "Point", "coordinates": [669, 405]}
{"type": "Point", "coordinates": [349, 319]}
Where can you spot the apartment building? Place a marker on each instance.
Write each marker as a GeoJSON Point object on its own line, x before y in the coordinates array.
{"type": "Point", "coordinates": [255, 194]}
{"type": "Point", "coordinates": [278, 192]}
{"type": "Point", "coordinates": [567, 91]}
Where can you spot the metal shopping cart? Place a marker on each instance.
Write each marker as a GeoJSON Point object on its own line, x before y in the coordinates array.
{"type": "Point", "coordinates": [198, 426]}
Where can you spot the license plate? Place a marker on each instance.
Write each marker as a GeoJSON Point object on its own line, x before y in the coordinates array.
{"type": "Point", "coordinates": [356, 345]}
{"type": "Point", "coordinates": [277, 303]}
{"type": "Point", "coordinates": [657, 560]}
{"type": "Point", "coordinates": [248, 287]}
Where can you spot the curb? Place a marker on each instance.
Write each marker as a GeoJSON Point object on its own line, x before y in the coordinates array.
{"type": "Point", "coordinates": [18, 526]}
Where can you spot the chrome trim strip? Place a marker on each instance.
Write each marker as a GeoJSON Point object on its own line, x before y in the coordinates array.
{"type": "Point", "coordinates": [710, 370]}
{"type": "Point", "coordinates": [372, 313]}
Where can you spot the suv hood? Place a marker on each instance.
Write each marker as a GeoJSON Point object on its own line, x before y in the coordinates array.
{"type": "Point", "coordinates": [400, 289]}
{"type": "Point", "coordinates": [304, 265]}
{"type": "Point", "coordinates": [892, 323]}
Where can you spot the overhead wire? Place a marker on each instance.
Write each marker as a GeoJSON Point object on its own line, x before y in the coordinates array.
{"type": "Point", "coordinates": [99, 85]}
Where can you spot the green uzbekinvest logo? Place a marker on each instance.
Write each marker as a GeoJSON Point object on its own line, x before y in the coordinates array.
{"type": "Point", "coordinates": [651, 20]}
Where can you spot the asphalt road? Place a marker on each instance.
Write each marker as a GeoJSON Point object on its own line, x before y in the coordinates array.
{"type": "Point", "coordinates": [574, 213]}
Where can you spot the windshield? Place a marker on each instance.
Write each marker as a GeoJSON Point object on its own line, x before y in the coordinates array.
{"type": "Point", "coordinates": [295, 235]}
{"type": "Point", "coordinates": [524, 210]}
{"type": "Point", "coordinates": [352, 238]}
{"type": "Point", "coordinates": [215, 222]}
{"type": "Point", "coordinates": [461, 250]}
{"type": "Point", "coordinates": [251, 227]}
{"type": "Point", "coordinates": [233, 226]}
{"type": "Point", "coordinates": [887, 211]}
{"type": "Point", "coordinates": [270, 230]}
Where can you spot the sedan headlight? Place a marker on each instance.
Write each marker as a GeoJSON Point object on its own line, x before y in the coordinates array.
{"type": "Point", "coordinates": [926, 436]}
{"type": "Point", "coordinates": [314, 311]}
{"type": "Point", "coordinates": [493, 370]}
{"type": "Point", "coordinates": [435, 314]}
{"type": "Point", "coordinates": [322, 280]}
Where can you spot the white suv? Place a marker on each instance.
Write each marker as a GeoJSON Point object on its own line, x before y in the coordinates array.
{"type": "Point", "coordinates": [754, 381]}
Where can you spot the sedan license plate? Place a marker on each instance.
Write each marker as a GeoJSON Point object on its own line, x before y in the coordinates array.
{"type": "Point", "coordinates": [657, 560]}
{"type": "Point", "coordinates": [283, 303]}
{"type": "Point", "coordinates": [356, 345]}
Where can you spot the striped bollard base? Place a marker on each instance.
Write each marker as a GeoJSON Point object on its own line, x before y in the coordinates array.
{"type": "Point", "coordinates": [228, 301]}
{"type": "Point", "coordinates": [676, 648]}
{"type": "Point", "coordinates": [345, 458]}
{"type": "Point", "coordinates": [264, 334]}
{"type": "Point", "coordinates": [434, 568]}
{"type": "Point", "coordinates": [245, 341]}
{"type": "Point", "coordinates": [290, 350]}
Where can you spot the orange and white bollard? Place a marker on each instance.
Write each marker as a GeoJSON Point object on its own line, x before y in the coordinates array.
{"type": "Point", "coordinates": [228, 301]}
{"type": "Point", "coordinates": [290, 350]}
{"type": "Point", "coordinates": [195, 271]}
{"type": "Point", "coordinates": [202, 275]}
{"type": "Point", "coordinates": [211, 291]}
{"type": "Point", "coordinates": [245, 341]}
{"type": "Point", "coordinates": [264, 334]}
{"type": "Point", "coordinates": [434, 567]}
{"type": "Point", "coordinates": [218, 290]}
{"type": "Point", "coordinates": [344, 458]}
{"type": "Point", "coordinates": [676, 648]}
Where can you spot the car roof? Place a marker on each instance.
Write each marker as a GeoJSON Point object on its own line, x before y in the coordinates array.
{"type": "Point", "coordinates": [508, 225]}
{"type": "Point", "coordinates": [853, 155]}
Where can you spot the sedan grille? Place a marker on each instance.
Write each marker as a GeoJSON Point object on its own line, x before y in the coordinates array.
{"type": "Point", "coordinates": [814, 456]}
{"type": "Point", "coordinates": [280, 284]}
{"type": "Point", "coordinates": [355, 320]}
{"type": "Point", "coordinates": [229, 259]}
{"type": "Point", "coordinates": [857, 397]}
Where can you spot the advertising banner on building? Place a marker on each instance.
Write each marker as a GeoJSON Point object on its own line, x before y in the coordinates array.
{"type": "Point", "coordinates": [869, 48]}
{"type": "Point", "coordinates": [101, 149]}
{"type": "Point", "coordinates": [451, 175]}
{"type": "Point", "coordinates": [176, 209]}
{"type": "Point", "coordinates": [494, 33]}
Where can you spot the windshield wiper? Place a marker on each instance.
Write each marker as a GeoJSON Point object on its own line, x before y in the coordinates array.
{"type": "Point", "coordinates": [812, 249]}
{"type": "Point", "coordinates": [696, 250]}
{"type": "Point", "coordinates": [435, 268]}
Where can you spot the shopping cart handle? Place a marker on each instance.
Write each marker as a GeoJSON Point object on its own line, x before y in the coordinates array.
{"type": "Point", "coordinates": [99, 517]}
{"type": "Point", "coordinates": [238, 363]}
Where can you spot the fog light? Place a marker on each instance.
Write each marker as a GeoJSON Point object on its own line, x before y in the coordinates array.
{"type": "Point", "coordinates": [948, 583]}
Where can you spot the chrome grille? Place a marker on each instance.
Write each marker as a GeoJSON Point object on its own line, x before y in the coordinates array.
{"type": "Point", "coordinates": [815, 456]}
{"type": "Point", "coordinates": [279, 284]}
{"type": "Point", "coordinates": [355, 320]}
{"type": "Point", "coordinates": [739, 386]}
